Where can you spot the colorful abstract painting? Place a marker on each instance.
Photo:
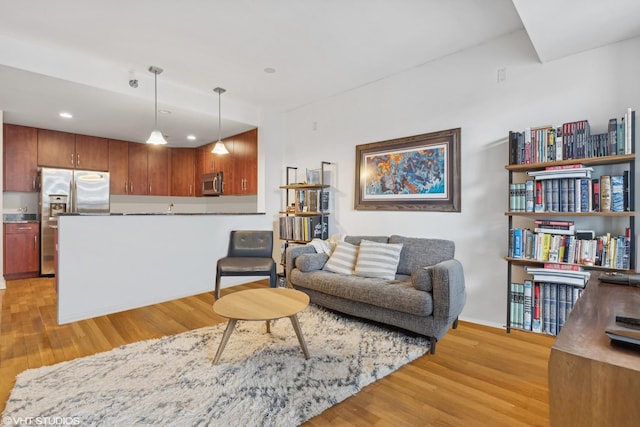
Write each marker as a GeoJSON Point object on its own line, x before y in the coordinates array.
{"type": "Point", "coordinates": [419, 173]}
{"type": "Point", "coordinates": [413, 173]}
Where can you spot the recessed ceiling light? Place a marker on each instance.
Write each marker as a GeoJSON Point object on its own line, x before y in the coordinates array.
{"type": "Point", "coordinates": [164, 111]}
{"type": "Point", "coordinates": [269, 70]}
{"type": "Point", "coordinates": [66, 115]}
{"type": "Point", "coordinates": [191, 137]}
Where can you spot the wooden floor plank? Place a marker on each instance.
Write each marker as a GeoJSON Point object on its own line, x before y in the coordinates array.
{"type": "Point", "coordinates": [478, 376]}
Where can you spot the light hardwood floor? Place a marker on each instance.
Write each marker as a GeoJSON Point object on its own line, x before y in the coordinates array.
{"type": "Point", "coordinates": [478, 376]}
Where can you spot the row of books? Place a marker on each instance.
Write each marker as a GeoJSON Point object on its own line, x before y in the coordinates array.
{"type": "Point", "coordinates": [558, 245]}
{"type": "Point", "coordinates": [304, 228]}
{"type": "Point", "coordinates": [608, 193]}
{"type": "Point", "coordinates": [572, 140]}
{"type": "Point", "coordinates": [541, 306]}
{"type": "Point", "coordinates": [309, 201]}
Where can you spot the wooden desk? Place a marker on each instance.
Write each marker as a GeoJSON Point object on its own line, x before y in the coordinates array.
{"type": "Point", "coordinates": [591, 381]}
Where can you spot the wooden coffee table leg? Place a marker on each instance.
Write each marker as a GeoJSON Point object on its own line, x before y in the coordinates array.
{"type": "Point", "coordinates": [296, 327]}
{"type": "Point", "coordinates": [225, 338]}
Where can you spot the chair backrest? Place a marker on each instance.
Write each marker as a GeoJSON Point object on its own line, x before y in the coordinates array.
{"type": "Point", "coordinates": [251, 243]}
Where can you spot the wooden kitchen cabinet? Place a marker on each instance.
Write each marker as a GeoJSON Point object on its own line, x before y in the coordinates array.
{"type": "Point", "coordinates": [137, 169]}
{"type": "Point", "coordinates": [21, 250]}
{"type": "Point", "coordinates": [119, 166]}
{"type": "Point", "coordinates": [245, 163]}
{"type": "Point", "coordinates": [157, 170]}
{"type": "Point", "coordinates": [92, 153]}
{"type": "Point", "coordinates": [71, 151]}
{"type": "Point", "coordinates": [20, 158]}
{"type": "Point", "coordinates": [56, 149]}
{"type": "Point", "coordinates": [182, 165]}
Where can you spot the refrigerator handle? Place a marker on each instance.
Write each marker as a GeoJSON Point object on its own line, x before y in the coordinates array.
{"type": "Point", "coordinates": [72, 194]}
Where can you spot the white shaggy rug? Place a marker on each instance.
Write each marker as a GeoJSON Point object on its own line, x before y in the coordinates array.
{"type": "Point", "coordinates": [262, 379]}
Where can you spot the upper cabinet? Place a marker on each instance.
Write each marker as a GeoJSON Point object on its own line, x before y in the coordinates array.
{"type": "Point", "coordinates": [138, 169]}
{"type": "Point", "coordinates": [182, 161]}
{"type": "Point", "coordinates": [119, 166]}
{"type": "Point", "coordinates": [20, 158]}
{"type": "Point", "coordinates": [92, 153]}
{"type": "Point", "coordinates": [245, 163]}
{"type": "Point", "coordinates": [157, 170]}
{"type": "Point", "coordinates": [68, 150]}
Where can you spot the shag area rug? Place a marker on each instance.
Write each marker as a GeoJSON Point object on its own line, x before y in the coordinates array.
{"type": "Point", "coordinates": [261, 380]}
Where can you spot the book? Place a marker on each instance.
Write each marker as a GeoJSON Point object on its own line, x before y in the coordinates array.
{"type": "Point", "coordinates": [529, 195]}
{"type": "Point", "coordinates": [617, 193]}
{"type": "Point", "coordinates": [536, 318]}
{"type": "Point", "coordinates": [605, 193]}
{"type": "Point", "coordinates": [527, 304]}
{"type": "Point", "coordinates": [595, 193]}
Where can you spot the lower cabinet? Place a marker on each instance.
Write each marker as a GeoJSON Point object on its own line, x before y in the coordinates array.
{"type": "Point", "coordinates": [21, 250]}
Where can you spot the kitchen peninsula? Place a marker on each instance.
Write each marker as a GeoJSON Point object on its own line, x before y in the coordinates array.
{"type": "Point", "coordinates": [114, 262]}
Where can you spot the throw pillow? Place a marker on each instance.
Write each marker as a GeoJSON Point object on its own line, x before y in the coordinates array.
{"type": "Point", "coordinates": [342, 259]}
{"type": "Point", "coordinates": [421, 279]}
{"type": "Point", "coordinates": [378, 259]}
{"type": "Point", "coordinates": [311, 262]}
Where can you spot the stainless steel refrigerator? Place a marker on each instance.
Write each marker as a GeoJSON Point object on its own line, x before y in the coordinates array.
{"type": "Point", "coordinates": [62, 191]}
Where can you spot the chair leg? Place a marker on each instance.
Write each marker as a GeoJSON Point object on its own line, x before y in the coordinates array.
{"type": "Point", "coordinates": [273, 277]}
{"type": "Point", "coordinates": [455, 323]}
{"type": "Point", "coordinates": [433, 341]}
{"type": "Point", "coordinates": [217, 291]}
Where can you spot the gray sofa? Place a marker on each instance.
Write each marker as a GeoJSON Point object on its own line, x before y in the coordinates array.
{"type": "Point", "coordinates": [426, 296]}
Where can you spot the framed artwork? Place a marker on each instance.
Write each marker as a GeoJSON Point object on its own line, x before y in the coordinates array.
{"type": "Point", "coordinates": [417, 173]}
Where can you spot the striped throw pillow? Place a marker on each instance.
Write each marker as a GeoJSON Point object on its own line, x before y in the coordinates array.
{"type": "Point", "coordinates": [342, 259]}
{"type": "Point", "coordinates": [378, 259]}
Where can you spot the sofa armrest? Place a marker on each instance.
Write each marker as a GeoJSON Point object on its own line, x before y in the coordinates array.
{"type": "Point", "coordinates": [294, 251]}
{"type": "Point", "coordinates": [449, 293]}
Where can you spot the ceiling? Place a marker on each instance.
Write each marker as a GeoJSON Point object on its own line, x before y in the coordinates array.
{"type": "Point", "coordinates": [79, 55]}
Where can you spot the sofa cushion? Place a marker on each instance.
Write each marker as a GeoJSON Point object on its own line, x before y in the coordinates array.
{"type": "Point", "coordinates": [421, 252]}
{"type": "Point", "coordinates": [311, 262]}
{"type": "Point", "coordinates": [377, 259]}
{"type": "Point", "coordinates": [355, 240]}
{"type": "Point", "coordinates": [422, 279]}
{"type": "Point", "coordinates": [398, 295]}
{"type": "Point", "coordinates": [342, 259]}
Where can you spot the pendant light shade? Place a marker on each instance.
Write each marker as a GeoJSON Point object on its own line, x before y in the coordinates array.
{"type": "Point", "coordinates": [219, 147]}
{"type": "Point", "coordinates": [156, 136]}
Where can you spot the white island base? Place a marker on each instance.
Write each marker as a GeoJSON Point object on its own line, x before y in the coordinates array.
{"type": "Point", "coordinates": [112, 263]}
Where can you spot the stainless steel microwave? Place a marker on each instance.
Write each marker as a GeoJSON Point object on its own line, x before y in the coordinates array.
{"type": "Point", "coordinates": [212, 184]}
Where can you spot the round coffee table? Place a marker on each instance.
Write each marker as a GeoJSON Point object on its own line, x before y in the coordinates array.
{"type": "Point", "coordinates": [264, 304]}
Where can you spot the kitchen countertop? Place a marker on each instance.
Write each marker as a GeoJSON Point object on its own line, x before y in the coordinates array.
{"type": "Point", "coordinates": [19, 218]}
{"type": "Point", "coordinates": [161, 213]}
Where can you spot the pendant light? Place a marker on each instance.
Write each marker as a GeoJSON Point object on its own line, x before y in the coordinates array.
{"type": "Point", "coordinates": [219, 148]}
{"type": "Point", "coordinates": [156, 136]}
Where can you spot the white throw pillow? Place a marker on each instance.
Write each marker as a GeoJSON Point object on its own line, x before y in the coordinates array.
{"type": "Point", "coordinates": [342, 259]}
{"type": "Point", "coordinates": [378, 259]}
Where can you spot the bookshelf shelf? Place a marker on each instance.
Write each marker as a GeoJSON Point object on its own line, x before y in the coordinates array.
{"type": "Point", "coordinates": [570, 214]}
{"type": "Point", "coordinates": [578, 227]}
{"type": "Point", "coordinates": [532, 262]}
{"type": "Point", "coordinates": [591, 161]}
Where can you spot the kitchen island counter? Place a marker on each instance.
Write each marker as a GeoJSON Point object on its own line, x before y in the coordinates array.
{"type": "Point", "coordinates": [114, 262]}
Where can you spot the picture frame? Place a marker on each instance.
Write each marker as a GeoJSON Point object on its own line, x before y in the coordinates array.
{"type": "Point", "coordinates": [415, 173]}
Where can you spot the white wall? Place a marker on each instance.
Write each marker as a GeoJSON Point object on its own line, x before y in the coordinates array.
{"type": "Point", "coordinates": [462, 91]}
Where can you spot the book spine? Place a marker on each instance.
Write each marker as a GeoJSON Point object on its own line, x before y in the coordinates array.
{"type": "Point", "coordinates": [617, 193]}
{"type": "Point", "coordinates": [527, 304]}
{"type": "Point", "coordinates": [536, 320]}
{"type": "Point", "coordinates": [605, 193]}
{"type": "Point", "coordinates": [529, 196]}
{"type": "Point", "coordinates": [595, 199]}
